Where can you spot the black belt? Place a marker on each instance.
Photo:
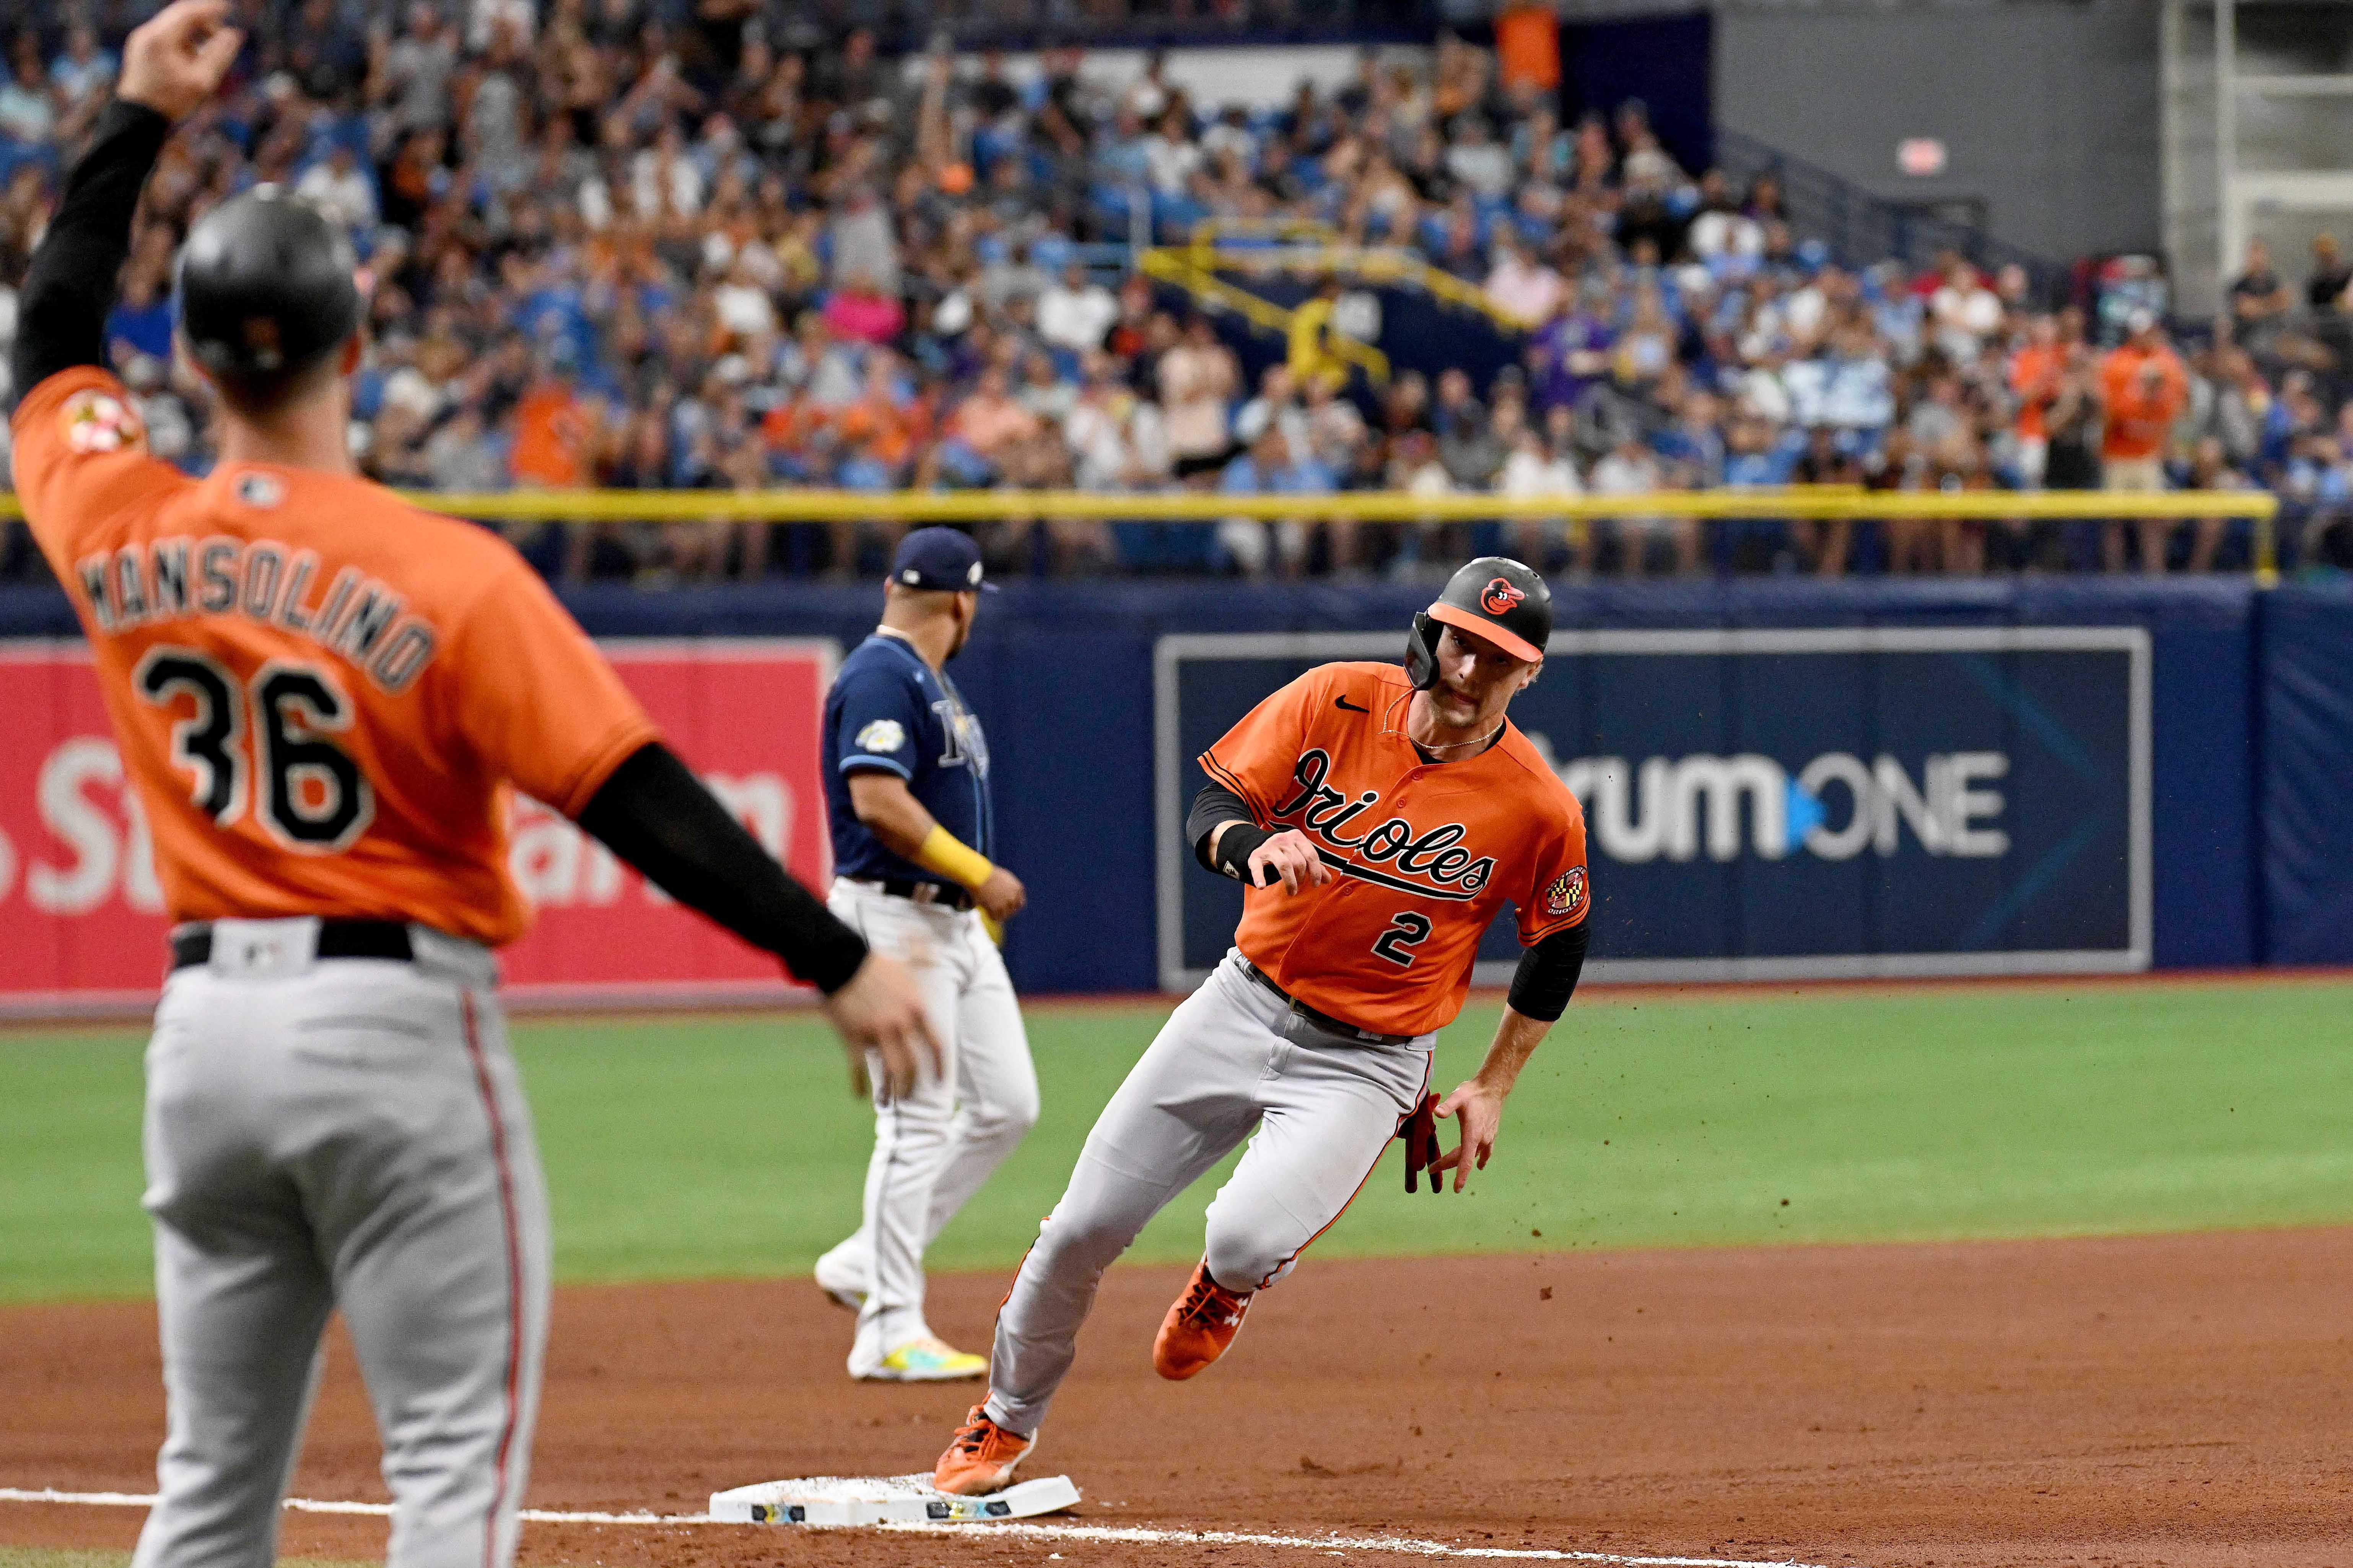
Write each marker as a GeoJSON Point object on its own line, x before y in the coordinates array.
{"type": "Point", "coordinates": [938, 894]}
{"type": "Point", "coordinates": [1324, 1021]}
{"type": "Point", "coordinates": [193, 945]}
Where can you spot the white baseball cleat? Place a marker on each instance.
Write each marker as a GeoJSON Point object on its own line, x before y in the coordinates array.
{"type": "Point", "coordinates": [838, 1280]}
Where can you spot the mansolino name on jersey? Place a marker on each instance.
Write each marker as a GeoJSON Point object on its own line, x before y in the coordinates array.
{"type": "Point", "coordinates": [268, 582]}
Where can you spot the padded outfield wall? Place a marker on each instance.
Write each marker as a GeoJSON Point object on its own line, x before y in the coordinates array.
{"type": "Point", "coordinates": [1782, 778]}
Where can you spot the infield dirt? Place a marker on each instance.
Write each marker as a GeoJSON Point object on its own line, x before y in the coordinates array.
{"type": "Point", "coordinates": [2174, 1400]}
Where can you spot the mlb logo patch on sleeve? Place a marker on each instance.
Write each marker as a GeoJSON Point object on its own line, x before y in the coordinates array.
{"type": "Point", "coordinates": [97, 421]}
{"type": "Point", "coordinates": [1567, 894]}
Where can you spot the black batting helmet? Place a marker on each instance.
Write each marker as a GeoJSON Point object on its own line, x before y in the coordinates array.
{"type": "Point", "coordinates": [265, 288]}
{"type": "Point", "coordinates": [1493, 597]}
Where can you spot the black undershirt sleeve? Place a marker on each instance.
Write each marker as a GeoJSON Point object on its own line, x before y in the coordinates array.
{"type": "Point", "coordinates": [70, 287]}
{"type": "Point", "coordinates": [659, 818]}
{"type": "Point", "coordinates": [1214, 805]}
{"type": "Point", "coordinates": [1547, 974]}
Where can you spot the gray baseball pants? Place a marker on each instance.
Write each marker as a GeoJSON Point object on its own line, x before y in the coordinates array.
{"type": "Point", "coordinates": [348, 1133]}
{"type": "Point", "coordinates": [1232, 1062]}
{"type": "Point", "coordinates": [935, 1145]}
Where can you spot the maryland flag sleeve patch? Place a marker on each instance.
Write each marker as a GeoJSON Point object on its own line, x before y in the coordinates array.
{"type": "Point", "coordinates": [1567, 894]}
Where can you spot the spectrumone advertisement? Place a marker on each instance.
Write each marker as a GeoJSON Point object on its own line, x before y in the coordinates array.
{"type": "Point", "coordinates": [1778, 803]}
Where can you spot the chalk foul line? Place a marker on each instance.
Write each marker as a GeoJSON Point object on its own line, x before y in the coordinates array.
{"type": "Point", "coordinates": [1395, 1545]}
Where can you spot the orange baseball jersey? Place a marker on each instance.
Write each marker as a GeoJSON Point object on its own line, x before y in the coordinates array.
{"type": "Point", "coordinates": [1425, 853]}
{"type": "Point", "coordinates": [321, 694]}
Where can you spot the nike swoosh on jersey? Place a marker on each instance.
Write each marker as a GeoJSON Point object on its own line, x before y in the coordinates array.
{"type": "Point", "coordinates": [1344, 703]}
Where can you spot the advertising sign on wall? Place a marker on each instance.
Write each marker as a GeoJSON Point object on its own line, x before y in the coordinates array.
{"type": "Point", "coordinates": [84, 914]}
{"type": "Point", "coordinates": [1769, 804]}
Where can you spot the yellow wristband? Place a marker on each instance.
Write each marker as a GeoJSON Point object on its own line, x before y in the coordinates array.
{"type": "Point", "coordinates": [951, 857]}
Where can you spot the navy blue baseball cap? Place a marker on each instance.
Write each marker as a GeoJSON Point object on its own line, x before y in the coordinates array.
{"type": "Point", "coordinates": [941, 560]}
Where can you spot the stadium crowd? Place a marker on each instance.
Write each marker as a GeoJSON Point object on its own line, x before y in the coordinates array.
{"type": "Point", "coordinates": [693, 244]}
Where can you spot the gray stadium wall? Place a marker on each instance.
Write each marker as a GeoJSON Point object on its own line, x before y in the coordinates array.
{"type": "Point", "coordinates": [2049, 109]}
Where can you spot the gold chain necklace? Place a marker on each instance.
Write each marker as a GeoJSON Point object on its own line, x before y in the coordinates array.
{"type": "Point", "coordinates": [1483, 741]}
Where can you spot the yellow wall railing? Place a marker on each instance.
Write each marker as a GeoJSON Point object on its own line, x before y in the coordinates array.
{"type": "Point", "coordinates": [1380, 506]}
{"type": "Point", "coordinates": [2260, 507]}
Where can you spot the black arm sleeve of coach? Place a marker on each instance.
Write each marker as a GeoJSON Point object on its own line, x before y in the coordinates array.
{"type": "Point", "coordinates": [1214, 805]}
{"type": "Point", "coordinates": [1547, 974]}
{"type": "Point", "coordinates": [659, 818]}
{"type": "Point", "coordinates": [70, 287]}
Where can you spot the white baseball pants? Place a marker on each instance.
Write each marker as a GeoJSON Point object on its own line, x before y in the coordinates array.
{"type": "Point", "coordinates": [351, 1134]}
{"type": "Point", "coordinates": [933, 1148]}
{"type": "Point", "coordinates": [1232, 1062]}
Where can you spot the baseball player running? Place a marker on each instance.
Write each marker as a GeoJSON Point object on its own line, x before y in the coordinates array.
{"type": "Point", "coordinates": [324, 698]}
{"type": "Point", "coordinates": [906, 771]}
{"type": "Point", "coordinates": [1381, 818]}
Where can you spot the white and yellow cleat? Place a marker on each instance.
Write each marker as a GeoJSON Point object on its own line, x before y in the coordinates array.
{"type": "Point", "coordinates": [927, 1360]}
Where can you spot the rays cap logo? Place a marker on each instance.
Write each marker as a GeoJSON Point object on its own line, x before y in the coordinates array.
{"type": "Point", "coordinates": [1499, 596]}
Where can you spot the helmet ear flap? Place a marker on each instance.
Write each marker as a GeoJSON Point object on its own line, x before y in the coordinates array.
{"type": "Point", "coordinates": [1422, 652]}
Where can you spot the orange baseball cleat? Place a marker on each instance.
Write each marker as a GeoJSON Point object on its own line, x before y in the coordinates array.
{"type": "Point", "coordinates": [981, 1458]}
{"type": "Point", "coordinates": [1199, 1327]}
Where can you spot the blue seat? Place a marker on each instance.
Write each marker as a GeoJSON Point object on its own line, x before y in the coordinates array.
{"type": "Point", "coordinates": [16, 154]}
{"type": "Point", "coordinates": [1111, 205]}
{"type": "Point", "coordinates": [1051, 251]}
{"type": "Point", "coordinates": [1173, 218]}
{"type": "Point", "coordinates": [988, 144]}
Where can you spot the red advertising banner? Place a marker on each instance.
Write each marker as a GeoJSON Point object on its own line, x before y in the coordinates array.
{"type": "Point", "coordinates": [83, 915]}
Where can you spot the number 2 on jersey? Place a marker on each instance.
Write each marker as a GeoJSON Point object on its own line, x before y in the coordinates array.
{"type": "Point", "coordinates": [308, 793]}
{"type": "Point", "coordinates": [1406, 930]}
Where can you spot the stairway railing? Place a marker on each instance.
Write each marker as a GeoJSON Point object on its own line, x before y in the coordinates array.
{"type": "Point", "coordinates": [1860, 227]}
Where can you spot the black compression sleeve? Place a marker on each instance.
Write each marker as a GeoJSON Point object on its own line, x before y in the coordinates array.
{"type": "Point", "coordinates": [1214, 805]}
{"type": "Point", "coordinates": [70, 287]}
{"type": "Point", "coordinates": [1547, 974]}
{"type": "Point", "coordinates": [659, 818]}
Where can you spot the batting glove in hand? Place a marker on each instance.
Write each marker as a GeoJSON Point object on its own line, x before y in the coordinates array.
{"type": "Point", "coordinates": [1421, 1135]}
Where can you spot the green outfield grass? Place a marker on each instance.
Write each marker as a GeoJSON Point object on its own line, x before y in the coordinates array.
{"type": "Point", "coordinates": [729, 1146]}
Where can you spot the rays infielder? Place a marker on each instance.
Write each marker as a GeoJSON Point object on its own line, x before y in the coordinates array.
{"type": "Point", "coordinates": [324, 698]}
{"type": "Point", "coordinates": [1381, 817]}
{"type": "Point", "coordinates": [907, 791]}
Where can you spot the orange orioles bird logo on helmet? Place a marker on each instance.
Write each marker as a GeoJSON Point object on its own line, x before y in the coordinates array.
{"type": "Point", "coordinates": [1500, 597]}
